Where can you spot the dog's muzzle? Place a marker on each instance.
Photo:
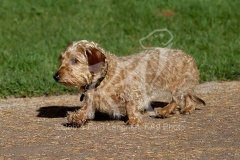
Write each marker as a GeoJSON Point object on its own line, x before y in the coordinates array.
{"type": "Point", "coordinates": [56, 76]}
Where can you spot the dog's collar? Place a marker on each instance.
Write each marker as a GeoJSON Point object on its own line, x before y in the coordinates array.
{"type": "Point", "coordinates": [95, 84]}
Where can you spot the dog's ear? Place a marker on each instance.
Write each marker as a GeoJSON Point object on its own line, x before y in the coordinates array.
{"type": "Point", "coordinates": [96, 59]}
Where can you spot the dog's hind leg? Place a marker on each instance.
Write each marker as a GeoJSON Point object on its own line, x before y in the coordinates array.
{"type": "Point", "coordinates": [190, 104]}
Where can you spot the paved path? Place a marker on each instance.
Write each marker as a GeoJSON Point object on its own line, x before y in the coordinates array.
{"type": "Point", "coordinates": [31, 128]}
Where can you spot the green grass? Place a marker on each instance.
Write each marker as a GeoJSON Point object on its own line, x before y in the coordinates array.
{"type": "Point", "coordinates": [34, 32]}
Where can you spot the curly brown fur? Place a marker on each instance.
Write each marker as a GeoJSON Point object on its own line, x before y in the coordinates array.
{"type": "Point", "coordinates": [125, 86]}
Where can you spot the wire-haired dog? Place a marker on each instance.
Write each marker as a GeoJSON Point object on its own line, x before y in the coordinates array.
{"type": "Point", "coordinates": [125, 86]}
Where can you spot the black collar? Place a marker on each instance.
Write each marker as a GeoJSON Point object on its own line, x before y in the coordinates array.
{"type": "Point", "coordinates": [95, 84]}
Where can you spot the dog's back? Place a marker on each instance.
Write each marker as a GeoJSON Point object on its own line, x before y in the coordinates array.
{"type": "Point", "coordinates": [161, 68]}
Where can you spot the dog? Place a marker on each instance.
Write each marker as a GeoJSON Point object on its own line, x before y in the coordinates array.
{"type": "Point", "coordinates": [126, 86]}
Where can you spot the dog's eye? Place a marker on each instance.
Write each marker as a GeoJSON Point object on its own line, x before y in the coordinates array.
{"type": "Point", "coordinates": [73, 61]}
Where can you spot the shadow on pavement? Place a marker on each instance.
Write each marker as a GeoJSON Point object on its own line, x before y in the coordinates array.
{"type": "Point", "coordinates": [55, 111]}
{"type": "Point", "coordinates": [61, 112]}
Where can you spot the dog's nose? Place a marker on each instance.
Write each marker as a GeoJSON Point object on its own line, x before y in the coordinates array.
{"type": "Point", "coordinates": [56, 77]}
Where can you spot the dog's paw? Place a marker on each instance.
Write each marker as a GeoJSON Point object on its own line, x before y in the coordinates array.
{"type": "Point", "coordinates": [76, 118]}
{"type": "Point", "coordinates": [134, 122]}
{"type": "Point", "coordinates": [162, 113]}
{"type": "Point", "coordinates": [187, 110]}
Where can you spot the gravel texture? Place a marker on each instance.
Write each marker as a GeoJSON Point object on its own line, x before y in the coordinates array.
{"type": "Point", "coordinates": [34, 128]}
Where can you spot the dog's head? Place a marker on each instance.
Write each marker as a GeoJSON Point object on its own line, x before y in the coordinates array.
{"type": "Point", "coordinates": [79, 62]}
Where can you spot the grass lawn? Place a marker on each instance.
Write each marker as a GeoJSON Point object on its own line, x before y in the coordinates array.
{"type": "Point", "coordinates": [34, 32]}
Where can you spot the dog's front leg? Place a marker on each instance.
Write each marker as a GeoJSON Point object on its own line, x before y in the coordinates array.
{"type": "Point", "coordinates": [134, 116]}
{"type": "Point", "coordinates": [82, 115]}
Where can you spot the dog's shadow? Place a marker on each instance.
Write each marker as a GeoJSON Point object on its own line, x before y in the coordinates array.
{"type": "Point", "coordinates": [55, 111]}
{"type": "Point", "coordinates": [61, 112]}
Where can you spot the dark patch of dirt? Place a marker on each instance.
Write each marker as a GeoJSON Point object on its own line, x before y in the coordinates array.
{"type": "Point", "coordinates": [166, 13]}
{"type": "Point", "coordinates": [35, 128]}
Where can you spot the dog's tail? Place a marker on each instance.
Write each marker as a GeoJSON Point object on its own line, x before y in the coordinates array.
{"type": "Point", "coordinates": [198, 100]}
